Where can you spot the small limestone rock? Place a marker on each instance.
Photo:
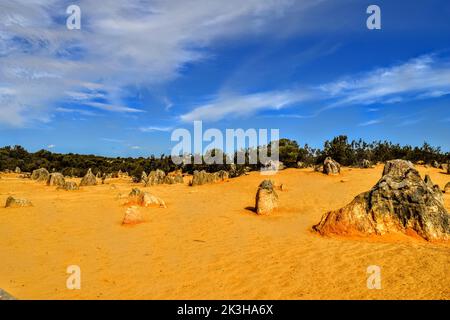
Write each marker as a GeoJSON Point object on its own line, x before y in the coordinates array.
{"type": "Point", "coordinates": [12, 202]}
{"type": "Point", "coordinates": [266, 198]}
{"type": "Point", "coordinates": [56, 179]}
{"type": "Point", "coordinates": [365, 164]}
{"type": "Point", "coordinates": [331, 167]}
{"type": "Point", "coordinates": [40, 175]}
{"type": "Point", "coordinates": [69, 186]}
{"type": "Point", "coordinates": [89, 179]}
{"type": "Point", "coordinates": [144, 177]}
{"type": "Point", "coordinates": [144, 199]}
{"type": "Point", "coordinates": [203, 177]}
{"type": "Point", "coordinates": [133, 216]}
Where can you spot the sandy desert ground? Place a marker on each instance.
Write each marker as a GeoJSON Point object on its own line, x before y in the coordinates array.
{"type": "Point", "coordinates": [208, 244]}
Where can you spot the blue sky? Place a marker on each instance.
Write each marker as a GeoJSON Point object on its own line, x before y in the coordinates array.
{"type": "Point", "coordinates": [138, 69]}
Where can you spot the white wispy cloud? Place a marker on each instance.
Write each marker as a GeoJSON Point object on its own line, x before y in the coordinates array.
{"type": "Point", "coordinates": [155, 128]}
{"type": "Point", "coordinates": [121, 43]}
{"type": "Point", "coordinates": [427, 76]}
{"type": "Point", "coordinates": [369, 123]}
{"type": "Point", "coordinates": [424, 77]}
{"type": "Point", "coordinates": [243, 105]}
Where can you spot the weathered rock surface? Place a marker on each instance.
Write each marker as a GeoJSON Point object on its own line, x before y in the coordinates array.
{"type": "Point", "coordinates": [56, 179]}
{"type": "Point", "coordinates": [203, 177]}
{"type": "Point", "coordinates": [133, 216]}
{"type": "Point", "coordinates": [266, 198]}
{"type": "Point", "coordinates": [12, 202]}
{"type": "Point", "coordinates": [5, 295]}
{"type": "Point", "coordinates": [331, 167]}
{"type": "Point", "coordinates": [89, 179]}
{"type": "Point", "coordinates": [156, 177]}
{"type": "Point", "coordinates": [144, 177]}
{"type": "Point", "coordinates": [144, 199]}
{"type": "Point", "coordinates": [365, 164]}
{"type": "Point", "coordinates": [40, 175]}
{"type": "Point", "coordinates": [400, 202]}
{"type": "Point", "coordinates": [273, 165]}
{"type": "Point", "coordinates": [69, 186]}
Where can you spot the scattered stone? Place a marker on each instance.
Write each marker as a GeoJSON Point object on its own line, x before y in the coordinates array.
{"type": "Point", "coordinates": [69, 186]}
{"type": "Point", "coordinates": [88, 180]}
{"type": "Point", "coordinates": [400, 201]}
{"type": "Point", "coordinates": [331, 167]}
{"type": "Point", "coordinates": [17, 170]}
{"type": "Point", "coordinates": [318, 168]}
{"type": "Point", "coordinates": [40, 175]}
{"type": "Point", "coordinates": [25, 175]}
{"type": "Point", "coordinates": [12, 202]}
{"type": "Point", "coordinates": [144, 177]}
{"type": "Point", "coordinates": [273, 165]}
{"type": "Point", "coordinates": [133, 216]}
{"type": "Point", "coordinates": [266, 198]}
{"type": "Point", "coordinates": [156, 177]}
{"type": "Point", "coordinates": [203, 177]}
{"type": "Point", "coordinates": [150, 200]}
{"type": "Point", "coordinates": [144, 199]}
{"type": "Point", "coordinates": [365, 164]}
{"type": "Point", "coordinates": [56, 179]}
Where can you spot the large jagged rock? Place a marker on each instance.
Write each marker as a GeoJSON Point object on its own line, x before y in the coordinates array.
{"type": "Point", "coordinates": [89, 179]}
{"type": "Point", "coordinates": [266, 198]}
{"type": "Point", "coordinates": [69, 186]}
{"type": "Point", "coordinates": [5, 295]}
{"type": "Point", "coordinates": [331, 167]}
{"type": "Point", "coordinates": [12, 202]}
{"type": "Point", "coordinates": [56, 179]}
{"type": "Point", "coordinates": [400, 202]}
{"type": "Point", "coordinates": [40, 175]}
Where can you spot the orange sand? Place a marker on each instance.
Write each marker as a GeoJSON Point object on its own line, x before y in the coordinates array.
{"type": "Point", "coordinates": [208, 245]}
